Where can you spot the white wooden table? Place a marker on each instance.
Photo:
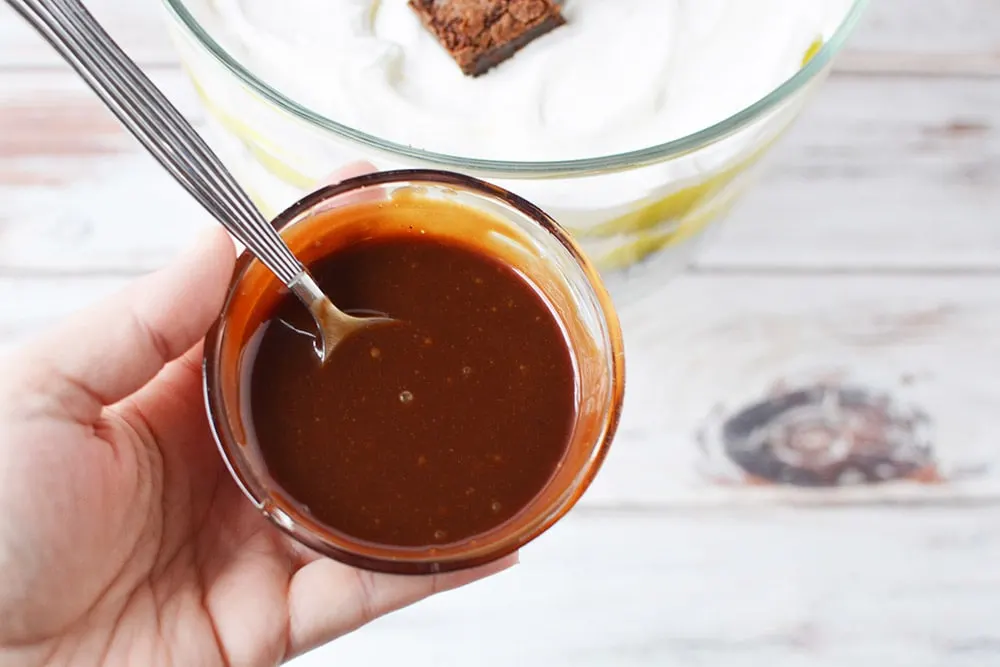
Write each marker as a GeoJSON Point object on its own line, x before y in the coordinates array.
{"type": "Point", "coordinates": [871, 249]}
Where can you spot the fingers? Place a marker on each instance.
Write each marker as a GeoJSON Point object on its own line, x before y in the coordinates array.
{"type": "Point", "coordinates": [105, 353]}
{"type": "Point", "coordinates": [158, 406]}
{"type": "Point", "coordinates": [351, 170]}
{"type": "Point", "coordinates": [327, 599]}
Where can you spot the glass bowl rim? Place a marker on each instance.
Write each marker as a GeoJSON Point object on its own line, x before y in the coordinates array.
{"type": "Point", "coordinates": [527, 169]}
{"type": "Point", "coordinates": [390, 562]}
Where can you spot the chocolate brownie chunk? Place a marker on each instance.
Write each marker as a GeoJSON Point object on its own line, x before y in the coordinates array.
{"type": "Point", "coordinates": [480, 34]}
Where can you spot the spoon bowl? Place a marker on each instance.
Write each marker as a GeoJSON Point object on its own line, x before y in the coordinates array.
{"type": "Point", "coordinates": [333, 324]}
{"type": "Point", "coordinates": [146, 112]}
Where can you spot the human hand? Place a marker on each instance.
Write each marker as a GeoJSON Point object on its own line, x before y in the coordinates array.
{"type": "Point", "coordinates": [124, 541]}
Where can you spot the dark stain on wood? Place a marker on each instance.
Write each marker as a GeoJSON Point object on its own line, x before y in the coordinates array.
{"type": "Point", "coordinates": [826, 435]}
{"type": "Point", "coordinates": [892, 329]}
{"type": "Point", "coordinates": [959, 128]}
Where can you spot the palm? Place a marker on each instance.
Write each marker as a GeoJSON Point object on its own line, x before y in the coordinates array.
{"type": "Point", "coordinates": [131, 543]}
{"type": "Point", "coordinates": [161, 543]}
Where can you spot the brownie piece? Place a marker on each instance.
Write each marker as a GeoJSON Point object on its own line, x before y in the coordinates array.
{"type": "Point", "coordinates": [480, 34]}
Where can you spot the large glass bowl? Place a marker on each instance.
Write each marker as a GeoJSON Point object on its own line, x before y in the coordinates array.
{"type": "Point", "coordinates": [655, 204]}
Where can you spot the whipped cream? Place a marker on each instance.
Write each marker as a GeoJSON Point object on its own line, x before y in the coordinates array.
{"type": "Point", "coordinates": [620, 75]}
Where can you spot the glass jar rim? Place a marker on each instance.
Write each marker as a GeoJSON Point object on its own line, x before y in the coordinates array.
{"type": "Point", "coordinates": [527, 169]}
{"type": "Point", "coordinates": [304, 529]}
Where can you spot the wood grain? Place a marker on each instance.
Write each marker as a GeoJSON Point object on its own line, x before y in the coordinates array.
{"type": "Point", "coordinates": [713, 344]}
{"type": "Point", "coordinates": [138, 25]}
{"type": "Point", "coordinates": [632, 579]}
{"type": "Point", "coordinates": [880, 174]}
{"type": "Point", "coordinates": [937, 37]}
{"type": "Point", "coordinates": [706, 342]}
{"type": "Point", "coordinates": [870, 253]}
{"type": "Point", "coordinates": [786, 588]}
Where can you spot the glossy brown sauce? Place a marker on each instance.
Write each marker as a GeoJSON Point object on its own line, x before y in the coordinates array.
{"type": "Point", "coordinates": [430, 431]}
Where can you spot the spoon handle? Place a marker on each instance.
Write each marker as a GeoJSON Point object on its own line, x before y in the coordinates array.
{"type": "Point", "coordinates": [156, 123]}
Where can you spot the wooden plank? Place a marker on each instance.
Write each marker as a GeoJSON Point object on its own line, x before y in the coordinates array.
{"type": "Point", "coordinates": [927, 37]}
{"type": "Point", "coordinates": [708, 346]}
{"type": "Point", "coordinates": [881, 174]}
{"type": "Point", "coordinates": [940, 36]}
{"type": "Point", "coordinates": [866, 588]}
{"type": "Point", "coordinates": [709, 343]}
{"type": "Point", "coordinates": [79, 193]}
{"type": "Point", "coordinates": [138, 25]}
{"type": "Point", "coordinates": [639, 583]}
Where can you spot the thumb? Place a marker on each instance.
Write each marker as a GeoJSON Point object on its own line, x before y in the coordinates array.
{"type": "Point", "coordinates": [105, 353]}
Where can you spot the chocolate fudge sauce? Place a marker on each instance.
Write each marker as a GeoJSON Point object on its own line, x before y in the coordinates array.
{"type": "Point", "coordinates": [429, 431]}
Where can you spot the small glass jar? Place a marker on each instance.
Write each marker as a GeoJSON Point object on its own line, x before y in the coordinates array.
{"type": "Point", "coordinates": [525, 238]}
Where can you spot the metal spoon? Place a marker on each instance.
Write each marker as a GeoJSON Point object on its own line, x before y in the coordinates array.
{"type": "Point", "coordinates": [156, 123]}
